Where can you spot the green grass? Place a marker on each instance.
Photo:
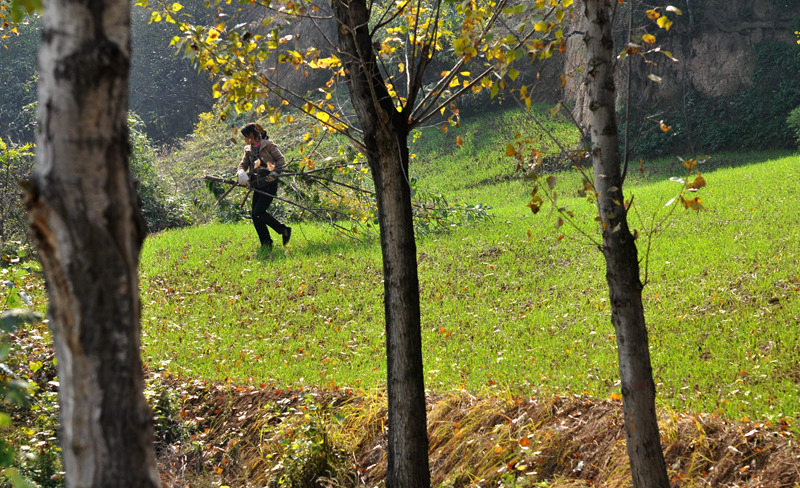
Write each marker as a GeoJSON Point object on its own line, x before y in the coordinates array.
{"type": "Point", "coordinates": [443, 166]}
{"type": "Point", "coordinates": [502, 308]}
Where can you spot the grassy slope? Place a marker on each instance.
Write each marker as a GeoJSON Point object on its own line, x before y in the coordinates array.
{"type": "Point", "coordinates": [502, 308]}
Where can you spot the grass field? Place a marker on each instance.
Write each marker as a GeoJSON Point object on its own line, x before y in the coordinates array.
{"type": "Point", "coordinates": [506, 306]}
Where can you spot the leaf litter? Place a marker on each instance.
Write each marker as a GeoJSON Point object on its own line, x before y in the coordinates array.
{"type": "Point", "coordinates": [254, 436]}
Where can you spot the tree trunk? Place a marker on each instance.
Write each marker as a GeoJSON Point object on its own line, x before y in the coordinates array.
{"type": "Point", "coordinates": [385, 141]}
{"type": "Point", "coordinates": [622, 266]}
{"type": "Point", "coordinates": [84, 217]}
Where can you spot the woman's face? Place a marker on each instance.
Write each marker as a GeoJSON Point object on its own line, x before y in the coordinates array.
{"type": "Point", "coordinates": [251, 139]}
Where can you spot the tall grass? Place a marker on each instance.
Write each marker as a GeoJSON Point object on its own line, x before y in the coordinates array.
{"type": "Point", "coordinates": [505, 304]}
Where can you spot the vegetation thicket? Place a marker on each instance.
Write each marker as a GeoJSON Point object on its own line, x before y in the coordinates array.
{"type": "Point", "coordinates": [794, 124]}
{"type": "Point", "coordinates": [751, 118]}
{"type": "Point", "coordinates": [166, 92]}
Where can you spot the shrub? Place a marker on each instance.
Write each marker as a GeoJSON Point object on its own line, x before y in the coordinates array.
{"type": "Point", "coordinates": [16, 163]}
{"type": "Point", "coordinates": [793, 121]}
{"type": "Point", "coordinates": [750, 119]}
{"type": "Point", "coordinates": [161, 209]}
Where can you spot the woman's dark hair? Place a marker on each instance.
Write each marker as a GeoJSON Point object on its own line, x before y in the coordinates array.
{"type": "Point", "coordinates": [253, 128]}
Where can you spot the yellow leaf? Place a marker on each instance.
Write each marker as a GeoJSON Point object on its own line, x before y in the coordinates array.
{"type": "Point", "coordinates": [540, 26]}
{"type": "Point", "coordinates": [155, 17]}
{"type": "Point", "coordinates": [401, 67]}
{"type": "Point", "coordinates": [213, 35]}
{"type": "Point", "coordinates": [649, 38]}
{"type": "Point", "coordinates": [324, 117]}
{"type": "Point", "coordinates": [694, 203]}
{"type": "Point", "coordinates": [176, 7]}
{"type": "Point", "coordinates": [690, 164]}
{"type": "Point", "coordinates": [664, 22]}
{"type": "Point", "coordinates": [653, 14]}
{"type": "Point", "coordinates": [698, 183]}
{"type": "Point", "coordinates": [454, 82]}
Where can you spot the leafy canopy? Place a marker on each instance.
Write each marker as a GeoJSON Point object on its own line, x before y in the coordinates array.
{"type": "Point", "coordinates": [249, 59]}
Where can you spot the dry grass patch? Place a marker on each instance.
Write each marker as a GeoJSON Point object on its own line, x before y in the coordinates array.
{"type": "Point", "coordinates": [243, 436]}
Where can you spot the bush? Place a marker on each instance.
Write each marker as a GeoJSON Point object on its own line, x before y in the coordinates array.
{"type": "Point", "coordinates": [161, 209]}
{"type": "Point", "coordinates": [793, 121]}
{"type": "Point", "coordinates": [750, 119]}
{"type": "Point", "coordinates": [16, 163]}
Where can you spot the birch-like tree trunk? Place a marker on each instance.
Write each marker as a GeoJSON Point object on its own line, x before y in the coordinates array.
{"type": "Point", "coordinates": [84, 216]}
{"type": "Point", "coordinates": [385, 141]}
{"type": "Point", "coordinates": [622, 266]}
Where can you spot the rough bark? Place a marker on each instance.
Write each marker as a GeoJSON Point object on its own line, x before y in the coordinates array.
{"type": "Point", "coordinates": [622, 266]}
{"type": "Point", "coordinates": [385, 141]}
{"type": "Point", "coordinates": [86, 223]}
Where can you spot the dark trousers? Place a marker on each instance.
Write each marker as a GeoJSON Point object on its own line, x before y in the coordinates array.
{"type": "Point", "coordinates": [261, 218]}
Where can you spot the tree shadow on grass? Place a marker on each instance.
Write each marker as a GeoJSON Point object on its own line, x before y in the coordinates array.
{"type": "Point", "coordinates": [301, 244]}
{"type": "Point", "coordinates": [673, 166]}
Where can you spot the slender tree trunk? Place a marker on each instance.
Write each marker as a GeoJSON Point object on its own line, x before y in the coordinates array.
{"type": "Point", "coordinates": [622, 266]}
{"type": "Point", "coordinates": [385, 140]}
{"type": "Point", "coordinates": [84, 217]}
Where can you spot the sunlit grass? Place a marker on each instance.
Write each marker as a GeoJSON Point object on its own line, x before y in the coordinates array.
{"type": "Point", "coordinates": [505, 305]}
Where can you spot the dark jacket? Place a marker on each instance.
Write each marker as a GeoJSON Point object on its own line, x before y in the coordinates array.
{"type": "Point", "coordinates": [259, 164]}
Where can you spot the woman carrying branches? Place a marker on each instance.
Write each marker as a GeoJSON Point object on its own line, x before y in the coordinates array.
{"type": "Point", "coordinates": [261, 166]}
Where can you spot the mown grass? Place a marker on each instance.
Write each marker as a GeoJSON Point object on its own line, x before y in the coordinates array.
{"type": "Point", "coordinates": [505, 304]}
